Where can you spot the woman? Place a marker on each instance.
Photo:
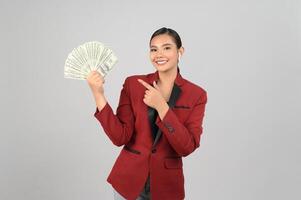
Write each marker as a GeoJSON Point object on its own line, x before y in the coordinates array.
{"type": "Point", "coordinates": [158, 121]}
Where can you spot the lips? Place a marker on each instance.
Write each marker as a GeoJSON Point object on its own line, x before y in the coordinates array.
{"type": "Point", "coordinates": [161, 62]}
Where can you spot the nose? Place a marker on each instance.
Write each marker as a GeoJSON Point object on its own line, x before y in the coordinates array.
{"type": "Point", "coordinates": [159, 54]}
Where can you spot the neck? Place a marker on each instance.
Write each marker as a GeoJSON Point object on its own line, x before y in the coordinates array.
{"type": "Point", "coordinates": [168, 77]}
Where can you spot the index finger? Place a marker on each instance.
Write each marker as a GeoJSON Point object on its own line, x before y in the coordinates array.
{"type": "Point", "coordinates": [145, 84]}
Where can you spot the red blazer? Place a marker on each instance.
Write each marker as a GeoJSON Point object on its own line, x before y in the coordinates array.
{"type": "Point", "coordinates": [178, 136]}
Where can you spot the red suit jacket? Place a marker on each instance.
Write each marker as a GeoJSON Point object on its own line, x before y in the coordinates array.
{"type": "Point", "coordinates": [178, 136]}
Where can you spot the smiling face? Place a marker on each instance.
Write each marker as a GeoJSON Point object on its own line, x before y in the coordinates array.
{"type": "Point", "coordinates": [164, 53]}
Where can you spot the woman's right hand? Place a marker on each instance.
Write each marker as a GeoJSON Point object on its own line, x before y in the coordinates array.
{"type": "Point", "coordinates": [96, 81]}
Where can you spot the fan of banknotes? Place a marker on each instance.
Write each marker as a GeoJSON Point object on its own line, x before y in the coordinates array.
{"type": "Point", "coordinates": [87, 57]}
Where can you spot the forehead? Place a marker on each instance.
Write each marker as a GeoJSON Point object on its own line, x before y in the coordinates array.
{"type": "Point", "coordinates": [159, 40]}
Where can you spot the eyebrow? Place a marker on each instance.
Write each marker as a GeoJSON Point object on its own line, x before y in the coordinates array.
{"type": "Point", "coordinates": [166, 44]}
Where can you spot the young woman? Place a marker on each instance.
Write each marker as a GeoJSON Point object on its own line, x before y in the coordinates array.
{"type": "Point", "coordinates": [158, 121]}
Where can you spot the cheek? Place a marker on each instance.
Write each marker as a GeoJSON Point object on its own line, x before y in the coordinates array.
{"type": "Point", "coordinates": [151, 57]}
{"type": "Point", "coordinates": [172, 55]}
{"type": "Point", "coordinates": [173, 58]}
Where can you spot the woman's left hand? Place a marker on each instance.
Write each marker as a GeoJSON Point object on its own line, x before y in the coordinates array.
{"type": "Point", "coordinates": [152, 96]}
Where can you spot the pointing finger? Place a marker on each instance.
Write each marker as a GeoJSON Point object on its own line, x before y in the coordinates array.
{"type": "Point", "coordinates": [145, 84]}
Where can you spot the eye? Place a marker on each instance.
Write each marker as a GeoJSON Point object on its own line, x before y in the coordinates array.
{"type": "Point", "coordinates": [167, 48]}
{"type": "Point", "coordinates": [152, 50]}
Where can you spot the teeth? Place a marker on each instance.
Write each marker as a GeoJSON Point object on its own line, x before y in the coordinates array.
{"type": "Point", "coordinates": [161, 62]}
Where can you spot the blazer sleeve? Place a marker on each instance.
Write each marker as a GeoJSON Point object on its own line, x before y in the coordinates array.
{"type": "Point", "coordinates": [184, 138]}
{"type": "Point", "coordinates": [119, 128]}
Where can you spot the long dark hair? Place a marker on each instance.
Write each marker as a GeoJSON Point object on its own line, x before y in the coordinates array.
{"type": "Point", "coordinates": [171, 33]}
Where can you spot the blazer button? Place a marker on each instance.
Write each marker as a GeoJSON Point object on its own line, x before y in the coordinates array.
{"type": "Point", "coordinates": [154, 150]}
{"type": "Point", "coordinates": [171, 129]}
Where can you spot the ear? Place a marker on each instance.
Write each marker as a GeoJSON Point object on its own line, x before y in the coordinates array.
{"type": "Point", "coordinates": [180, 52]}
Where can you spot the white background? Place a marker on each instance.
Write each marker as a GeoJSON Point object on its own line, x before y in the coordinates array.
{"type": "Point", "coordinates": [245, 54]}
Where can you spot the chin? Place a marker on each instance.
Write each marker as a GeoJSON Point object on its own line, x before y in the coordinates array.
{"type": "Point", "coordinates": [161, 67]}
{"type": "Point", "coordinates": [164, 68]}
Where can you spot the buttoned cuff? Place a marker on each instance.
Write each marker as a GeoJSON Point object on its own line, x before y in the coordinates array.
{"type": "Point", "coordinates": [166, 122]}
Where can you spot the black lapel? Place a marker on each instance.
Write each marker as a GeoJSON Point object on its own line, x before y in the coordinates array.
{"type": "Point", "coordinates": [152, 119]}
{"type": "Point", "coordinates": [175, 93]}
